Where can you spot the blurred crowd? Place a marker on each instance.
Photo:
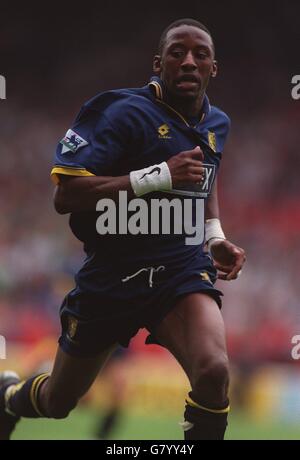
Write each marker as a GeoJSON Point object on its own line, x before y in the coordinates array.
{"type": "Point", "coordinates": [259, 182]}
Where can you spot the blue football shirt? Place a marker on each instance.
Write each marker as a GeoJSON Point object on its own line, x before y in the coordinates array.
{"type": "Point", "coordinates": [125, 130]}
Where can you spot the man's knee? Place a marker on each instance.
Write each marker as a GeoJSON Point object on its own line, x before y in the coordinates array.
{"type": "Point", "coordinates": [211, 377]}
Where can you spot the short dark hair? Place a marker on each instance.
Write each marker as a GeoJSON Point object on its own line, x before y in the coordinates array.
{"type": "Point", "coordinates": [181, 22]}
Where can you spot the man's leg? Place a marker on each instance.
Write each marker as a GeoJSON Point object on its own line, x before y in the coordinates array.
{"type": "Point", "coordinates": [51, 396]}
{"type": "Point", "coordinates": [194, 333]}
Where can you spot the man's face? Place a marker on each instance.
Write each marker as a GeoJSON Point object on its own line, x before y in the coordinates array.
{"type": "Point", "coordinates": [187, 62]}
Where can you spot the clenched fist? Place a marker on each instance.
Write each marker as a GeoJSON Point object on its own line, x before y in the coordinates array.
{"type": "Point", "coordinates": [187, 167]}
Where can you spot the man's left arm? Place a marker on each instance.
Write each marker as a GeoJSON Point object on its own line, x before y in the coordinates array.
{"type": "Point", "coordinates": [227, 257]}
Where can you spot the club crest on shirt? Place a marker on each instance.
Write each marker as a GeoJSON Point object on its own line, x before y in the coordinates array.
{"type": "Point", "coordinates": [163, 131]}
{"type": "Point", "coordinates": [212, 141]}
{"type": "Point", "coordinates": [72, 142]}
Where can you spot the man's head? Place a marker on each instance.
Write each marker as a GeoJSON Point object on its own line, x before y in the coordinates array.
{"type": "Point", "coordinates": [185, 60]}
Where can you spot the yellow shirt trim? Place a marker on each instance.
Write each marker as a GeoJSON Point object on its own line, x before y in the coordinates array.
{"type": "Point", "coordinates": [158, 89]}
{"type": "Point", "coordinates": [68, 172]}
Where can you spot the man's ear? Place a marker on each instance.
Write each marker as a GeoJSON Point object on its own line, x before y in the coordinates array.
{"type": "Point", "coordinates": [214, 70]}
{"type": "Point", "coordinates": [157, 64]}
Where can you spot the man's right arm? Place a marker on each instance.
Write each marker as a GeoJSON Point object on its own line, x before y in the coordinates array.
{"type": "Point", "coordinates": [78, 194]}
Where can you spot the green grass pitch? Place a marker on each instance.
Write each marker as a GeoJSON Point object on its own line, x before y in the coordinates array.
{"type": "Point", "coordinates": [81, 425]}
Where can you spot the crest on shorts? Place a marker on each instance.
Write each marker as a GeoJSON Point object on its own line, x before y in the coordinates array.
{"type": "Point", "coordinates": [212, 141]}
{"type": "Point", "coordinates": [72, 326]}
{"type": "Point", "coordinates": [205, 277]}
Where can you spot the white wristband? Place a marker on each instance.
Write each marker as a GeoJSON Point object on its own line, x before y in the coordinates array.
{"type": "Point", "coordinates": [156, 177]}
{"type": "Point", "coordinates": [213, 232]}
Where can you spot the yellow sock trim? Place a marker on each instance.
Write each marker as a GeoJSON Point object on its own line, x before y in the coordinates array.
{"type": "Point", "coordinates": [34, 390]}
{"type": "Point", "coordinates": [192, 403]}
{"type": "Point", "coordinates": [10, 391]}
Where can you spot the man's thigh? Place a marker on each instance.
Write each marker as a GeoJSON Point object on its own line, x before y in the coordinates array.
{"type": "Point", "coordinates": [193, 332]}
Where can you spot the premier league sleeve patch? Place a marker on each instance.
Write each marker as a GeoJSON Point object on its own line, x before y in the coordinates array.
{"type": "Point", "coordinates": [72, 142]}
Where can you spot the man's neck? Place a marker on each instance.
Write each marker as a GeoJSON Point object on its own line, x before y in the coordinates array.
{"type": "Point", "coordinates": [186, 107]}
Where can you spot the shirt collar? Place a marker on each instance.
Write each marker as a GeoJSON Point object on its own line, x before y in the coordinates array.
{"type": "Point", "coordinates": [157, 84]}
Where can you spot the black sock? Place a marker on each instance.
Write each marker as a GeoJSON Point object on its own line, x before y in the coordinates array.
{"type": "Point", "coordinates": [22, 398]}
{"type": "Point", "coordinates": [204, 423]}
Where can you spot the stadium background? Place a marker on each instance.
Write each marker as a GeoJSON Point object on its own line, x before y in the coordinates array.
{"type": "Point", "coordinates": [56, 58]}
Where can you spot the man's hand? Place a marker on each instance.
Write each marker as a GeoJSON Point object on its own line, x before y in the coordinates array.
{"type": "Point", "coordinates": [228, 259]}
{"type": "Point", "coordinates": [186, 167]}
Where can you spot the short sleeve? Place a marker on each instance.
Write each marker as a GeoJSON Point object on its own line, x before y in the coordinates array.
{"type": "Point", "coordinates": [90, 148]}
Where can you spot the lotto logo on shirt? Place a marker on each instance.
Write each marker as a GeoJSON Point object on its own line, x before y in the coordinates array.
{"type": "Point", "coordinates": [163, 132]}
{"type": "Point", "coordinates": [72, 142]}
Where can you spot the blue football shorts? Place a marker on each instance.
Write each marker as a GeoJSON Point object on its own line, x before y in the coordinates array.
{"type": "Point", "coordinates": [110, 305]}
